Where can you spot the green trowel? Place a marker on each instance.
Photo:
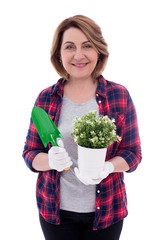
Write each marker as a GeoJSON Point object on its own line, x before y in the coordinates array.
{"type": "Point", "coordinates": [46, 128]}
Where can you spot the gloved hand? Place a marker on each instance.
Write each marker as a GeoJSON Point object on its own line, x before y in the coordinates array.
{"type": "Point", "coordinates": [58, 157]}
{"type": "Point", "coordinates": [108, 168]}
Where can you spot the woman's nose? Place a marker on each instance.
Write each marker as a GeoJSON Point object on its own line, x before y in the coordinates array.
{"type": "Point", "coordinates": [78, 55]}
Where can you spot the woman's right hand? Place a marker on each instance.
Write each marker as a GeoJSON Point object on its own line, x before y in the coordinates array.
{"type": "Point", "coordinates": [58, 158]}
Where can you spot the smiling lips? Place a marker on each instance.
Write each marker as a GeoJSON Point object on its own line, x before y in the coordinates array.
{"type": "Point", "coordinates": [79, 65]}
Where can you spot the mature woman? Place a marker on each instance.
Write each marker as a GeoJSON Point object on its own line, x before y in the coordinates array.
{"type": "Point", "coordinates": [70, 208]}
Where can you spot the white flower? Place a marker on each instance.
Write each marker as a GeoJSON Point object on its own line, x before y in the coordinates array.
{"type": "Point", "coordinates": [113, 120]}
{"type": "Point", "coordinates": [119, 138]}
{"type": "Point", "coordinates": [93, 112]}
{"type": "Point", "coordinates": [95, 139]}
{"type": "Point", "coordinates": [92, 133]}
{"type": "Point", "coordinates": [113, 133]}
{"type": "Point", "coordinates": [100, 134]}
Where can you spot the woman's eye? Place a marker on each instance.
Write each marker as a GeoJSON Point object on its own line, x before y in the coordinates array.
{"type": "Point", "coordinates": [88, 46]}
{"type": "Point", "coordinates": [69, 47]}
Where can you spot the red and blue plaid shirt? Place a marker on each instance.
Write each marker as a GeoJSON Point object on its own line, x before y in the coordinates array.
{"type": "Point", "coordinates": [111, 202]}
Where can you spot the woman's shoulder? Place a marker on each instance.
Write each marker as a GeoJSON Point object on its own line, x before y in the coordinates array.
{"type": "Point", "coordinates": [47, 94]}
{"type": "Point", "coordinates": [114, 87]}
{"type": "Point", "coordinates": [57, 87]}
{"type": "Point", "coordinates": [118, 96]}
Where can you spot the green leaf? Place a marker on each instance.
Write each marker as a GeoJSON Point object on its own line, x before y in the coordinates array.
{"type": "Point", "coordinates": [94, 132]}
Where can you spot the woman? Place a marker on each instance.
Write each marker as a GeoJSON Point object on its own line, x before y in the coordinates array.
{"type": "Point", "coordinates": [68, 208]}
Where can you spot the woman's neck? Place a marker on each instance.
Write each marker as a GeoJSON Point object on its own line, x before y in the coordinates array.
{"type": "Point", "coordinates": [80, 90]}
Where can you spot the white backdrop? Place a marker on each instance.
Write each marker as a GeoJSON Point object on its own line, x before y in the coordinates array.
{"type": "Point", "coordinates": [131, 29]}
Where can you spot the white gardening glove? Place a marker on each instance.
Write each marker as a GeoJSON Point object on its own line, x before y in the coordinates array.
{"type": "Point", "coordinates": [108, 168]}
{"type": "Point", "coordinates": [84, 179]}
{"type": "Point", "coordinates": [58, 157]}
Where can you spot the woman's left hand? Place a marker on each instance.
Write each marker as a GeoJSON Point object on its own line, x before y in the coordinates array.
{"type": "Point", "coordinates": [108, 168]}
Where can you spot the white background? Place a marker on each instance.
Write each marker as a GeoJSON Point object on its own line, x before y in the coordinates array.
{"type": "Point", "coordinates": [131, 29]}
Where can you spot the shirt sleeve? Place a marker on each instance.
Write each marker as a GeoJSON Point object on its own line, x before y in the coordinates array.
{"type": "Point", "coordinates": [130, 146]}
{"type": "Point", "coordinates": [33, 144]}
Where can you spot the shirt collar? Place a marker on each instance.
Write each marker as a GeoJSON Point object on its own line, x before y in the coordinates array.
{"type": "Point", "coordinates": [58, 87]}
{"type": "Point", "coordinates": [101, 88]}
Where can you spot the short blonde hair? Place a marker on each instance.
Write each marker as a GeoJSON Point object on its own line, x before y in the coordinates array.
{"type": "Point", "coordinates": [92, 32]}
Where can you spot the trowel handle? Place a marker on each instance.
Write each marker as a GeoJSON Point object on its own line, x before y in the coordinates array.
{"type": "Point", "coordinates": [56, 145]}
{"type": "Point", "coordinates": [53, 141]}
{"type": "Point", "coordinates": [67, 168]}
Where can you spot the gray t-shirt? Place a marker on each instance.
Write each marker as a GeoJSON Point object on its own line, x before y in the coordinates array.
{"type": "Point", "coordinates": [74, 195]}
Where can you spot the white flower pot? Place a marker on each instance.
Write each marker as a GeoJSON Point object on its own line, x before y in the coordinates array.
{"type": "Point", "coordinates": [91, 161]}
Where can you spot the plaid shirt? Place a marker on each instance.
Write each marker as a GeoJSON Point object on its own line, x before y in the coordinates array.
{"type": "Point", "coordinates": [111, 202]}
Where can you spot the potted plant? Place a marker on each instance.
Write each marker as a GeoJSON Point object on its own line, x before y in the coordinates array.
{"type": "Point", "coordinates": [93, 135]}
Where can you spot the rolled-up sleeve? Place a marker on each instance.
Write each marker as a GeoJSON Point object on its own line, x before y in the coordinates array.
{"type": "Point", "coordinates": [130, 146]}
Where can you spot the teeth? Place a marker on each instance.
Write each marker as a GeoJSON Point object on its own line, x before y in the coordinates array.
{"type": "Point", "coordinates": [80, 64]}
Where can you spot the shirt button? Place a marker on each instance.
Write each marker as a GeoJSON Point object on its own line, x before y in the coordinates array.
{"type": "Point", "coordinates": [99, 101]}
{"type": "Point", "coordinates": [98, 191]}
{"type": "Point", "coordinates": [97, 94]}
{"type": "Point", "coordinates": [98, 208]}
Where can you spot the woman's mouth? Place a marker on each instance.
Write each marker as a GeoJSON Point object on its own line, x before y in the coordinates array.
{"type": "Point", "coordinates": [79, 65]}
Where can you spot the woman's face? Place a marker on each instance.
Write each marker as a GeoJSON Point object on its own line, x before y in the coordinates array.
{"type": "Point", "coordinates": [78, 55]}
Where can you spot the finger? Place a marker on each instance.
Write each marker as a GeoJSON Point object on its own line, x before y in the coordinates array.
{"type": "Point", "coordinates": [76, 171]}
{"type": "Point", "coordinates": [63, 161]}
{"type": "Point", "coordinates": [64, 166]}
{"type": "Point", "coordinates": [67, 165]}
{"type": "Point", "coordinates": [95, 181]}
{"type": "Point", "coordinates": [60, 142]}
{"type": "Point", "coordinates": [57, 150]}
{"type": "Point", "coordinates": [60, 156]}
{"type": "Point", "coordinates": [103, 174]}
{"type": "Point", "coordinates": [68, 160]}
{"type": "Point", "coordinates": [83, 179]}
